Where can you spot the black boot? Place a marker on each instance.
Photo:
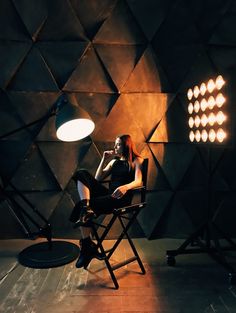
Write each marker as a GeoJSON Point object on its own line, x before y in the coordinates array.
{"type": "Point", "coordinates": [87, 253]}
{"type": "Point", "coordinates": [75, 214]}
{"type": "Point", "coordinates": [86, 214]}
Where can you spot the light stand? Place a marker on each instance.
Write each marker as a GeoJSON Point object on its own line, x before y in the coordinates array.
{"type": "Point", "coordinates": [206, 239]}
{"type": "Point", "coordinates": [51, 253]}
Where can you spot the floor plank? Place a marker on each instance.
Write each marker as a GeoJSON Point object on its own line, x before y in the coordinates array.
{"type": "Point", "coordinates": [195, 285]}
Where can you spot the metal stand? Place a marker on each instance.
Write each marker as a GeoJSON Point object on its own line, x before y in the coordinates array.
{"type": "Point", "coordinates": [46, 254]}
{"type": "Point", "coordinates": [42, 255]}
{"type": "Point", "coordinates": [207, 236]}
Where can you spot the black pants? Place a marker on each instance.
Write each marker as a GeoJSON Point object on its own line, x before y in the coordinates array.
{"type": "Point", "coordinates": [101, 200]}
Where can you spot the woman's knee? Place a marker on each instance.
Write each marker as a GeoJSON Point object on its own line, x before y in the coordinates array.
{"type": "Point", "coordinates": [81, 174]}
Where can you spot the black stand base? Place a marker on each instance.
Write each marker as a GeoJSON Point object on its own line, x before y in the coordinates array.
{"type": "Point", "coordinates": [199, 245]}
{"type": "Point", "coordinates": [47, 255]}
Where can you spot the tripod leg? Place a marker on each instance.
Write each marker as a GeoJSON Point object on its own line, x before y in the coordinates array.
{"type": "Point", "coordinates": [170, 254]}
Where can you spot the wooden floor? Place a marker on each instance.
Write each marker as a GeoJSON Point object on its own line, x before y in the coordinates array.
{"type": "Point", "coordinates": [195, 285]}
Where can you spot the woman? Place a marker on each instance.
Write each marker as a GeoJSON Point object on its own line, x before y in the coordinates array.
{"type": "Point", "coordinates": [96, 199]}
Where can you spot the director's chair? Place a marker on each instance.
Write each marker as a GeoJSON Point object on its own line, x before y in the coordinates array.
{"type": "Point", "coordinates": [126, 217]}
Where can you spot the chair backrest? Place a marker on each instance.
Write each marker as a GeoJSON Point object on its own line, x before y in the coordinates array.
{"type": "Point", "coordinates": [144, 178]}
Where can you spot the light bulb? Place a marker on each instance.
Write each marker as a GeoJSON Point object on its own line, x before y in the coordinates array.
{"type": "Point", "coordinates": [191, 122]}
{"type": "Point", "coordinates": [190, 94]}
{"type": "Point", "coordinates": [219, 82]}
{"type": "Point", "coordinates": [211, 102]}
{"type": "Point", "coordinates": [220, 135]}
{"type": "Point", "coordinates": [190, 108]}
{"type": "Point", "coordinates": [212, 135]}
{"type": "Point", "coordinates": [220, 100]}
{"type": "Point", "coordinates": [198, 136]}
{"type": "Point", "coordinates": [191, 136]}
{"type": "Point", "coordinates": [197, 121]}
{"type": "Point", "coordinates": [203, 89]}
{"type": "Point", "coordinates": [204, 135]}
{"type": "Point", "coordinates": [210, 85]}
{"type": "Point", "coordinates": [211, 119]}
{"type": "Point", "coordinates": [220, 117]}
{"type": "Point", "coordinates": [196, 106]}
{"type": "Point", "coordinates": [204, 120]}
{"type": "Point", "coordinates": [196, 91]}
{"type": "Point", "coordinates": [203, 105]}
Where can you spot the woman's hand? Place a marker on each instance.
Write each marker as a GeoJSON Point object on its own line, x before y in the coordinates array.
{"type": "Point", "coordinates": [119, 192]}
{"type": "Point", "coordinates": [108, 153]}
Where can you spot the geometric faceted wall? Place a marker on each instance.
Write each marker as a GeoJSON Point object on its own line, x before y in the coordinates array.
{"type": "Point", "coordinates": [129, 64]}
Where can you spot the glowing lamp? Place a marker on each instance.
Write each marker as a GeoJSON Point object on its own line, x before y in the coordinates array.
{"type": "Point", "coordinates": [72, 122]}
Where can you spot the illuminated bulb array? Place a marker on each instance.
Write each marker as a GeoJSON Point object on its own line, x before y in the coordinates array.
{"type": "Point", "coordinates": [206, 121]}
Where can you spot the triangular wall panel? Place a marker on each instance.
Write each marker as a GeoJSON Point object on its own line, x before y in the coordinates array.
{"type": "Point", "coordinates": [150, 15]}
{"type": "Point", "coordinates": [33, 173]}
{"type": "Point", "coordinates": [62, 23]}
{"type": "Point", "coordinates": [33, 14]}
{"type": "Point", "coordinates": [12, 55]}
{"type": "Point", "coordinates": [120, 61]}
{"type": "Point", "coordinates": [33, 75]}
{"type": "Point", "coordinates": [120, 27]}
{"type": "Point", "coordinates": [114, 126]}
{"type": "Point", "coordinates": [148, 69]}
{"type": "Point", "coordinates": [99, 11]}
{"type": "Point", "coordinates": [62, 58]}
{"type": "Point", "coordinates": [10, 23]}
{"type": "Point", "coordinates": [173, 126]}
{"type": "Point", "coordinates": [88, 71]}
{"type": "Point", "coordinates": [149, 109]}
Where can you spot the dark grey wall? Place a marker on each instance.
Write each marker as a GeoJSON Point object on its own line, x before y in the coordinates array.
{"type": "Point", "coordinates": [129, 64]}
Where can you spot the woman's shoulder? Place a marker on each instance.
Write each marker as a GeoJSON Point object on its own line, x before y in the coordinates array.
{"type": "Point", "coordinates": [138, 160]}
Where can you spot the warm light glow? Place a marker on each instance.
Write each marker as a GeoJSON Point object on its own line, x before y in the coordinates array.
{"type": "Point", "coordinates": [206, 112]}
{"type": "Point", "coordinates": [220, 135]}
{"type": "Point", "coordinates": [198, 136]}
{"type": "Point", "coordinates": [220, 118]}
{"type": "Point", "coordinates": [75, 129]}
{"type": "Point", "coordinates": [196, 106]}
{"type": "Point", "coordinates": [190, 94]}
{"type": "Point", "coordinates": [191, 122]}
{"type": "Point", "coordinates": [211, 102]}
{"type": "Point", "coordinates": [220, 100]}
{"type": "Point", "coordinates": [219, 82]}
{"type": "Point", "coordinates": [212, 135]}
{"type": "Point", "coordinates": [211, 119]}
{"type": "Point", "coordinates": [203, 89]}
{"type": "Point", "coordinates": [196, 91]}
{"type": "Point", "coordinates": [204, 135]}
{"type": "Point", "coordinates": [204, 120]}
{"type": "Point", "coordinates": [190, 108]}
{"type": "Point", "coordinates": [191, 136]}
{"type": "Point", "coordinates": [197, 121]}
{"type": "Point", "coordinates": [211, 85]}
{"type": "Point", "coordinates": [203, 105]}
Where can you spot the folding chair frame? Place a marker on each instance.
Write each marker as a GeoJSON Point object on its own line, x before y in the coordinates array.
{"type": "Point", "coordinates": [127, 213]}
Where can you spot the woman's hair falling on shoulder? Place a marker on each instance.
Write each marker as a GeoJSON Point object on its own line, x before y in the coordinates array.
{"type": "Point", "coordinates": [129, 149]}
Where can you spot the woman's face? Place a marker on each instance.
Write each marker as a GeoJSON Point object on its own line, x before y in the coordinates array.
{"type": "Point", "coordinates": [118, 146]}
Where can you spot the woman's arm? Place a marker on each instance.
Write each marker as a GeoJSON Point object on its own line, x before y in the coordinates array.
{"type": "Point", "coordinates": [137, 182]}
{"type": "Point", "coordinates": [102, 170]}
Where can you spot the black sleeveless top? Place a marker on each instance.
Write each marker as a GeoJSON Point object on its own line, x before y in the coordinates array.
{"type": "Point", "coordinates": [121, 174]}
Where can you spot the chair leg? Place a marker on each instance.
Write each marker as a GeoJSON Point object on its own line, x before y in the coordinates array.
{"type": "Point", "coordinates": [106, 259]}
{"type": "Point", "coordinates": [125, 229]}
{"type": "Point", "coordinates": [108, 254]}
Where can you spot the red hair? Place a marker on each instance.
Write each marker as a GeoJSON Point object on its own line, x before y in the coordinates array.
{"type": "Point", "coordinates": [129, 150]}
